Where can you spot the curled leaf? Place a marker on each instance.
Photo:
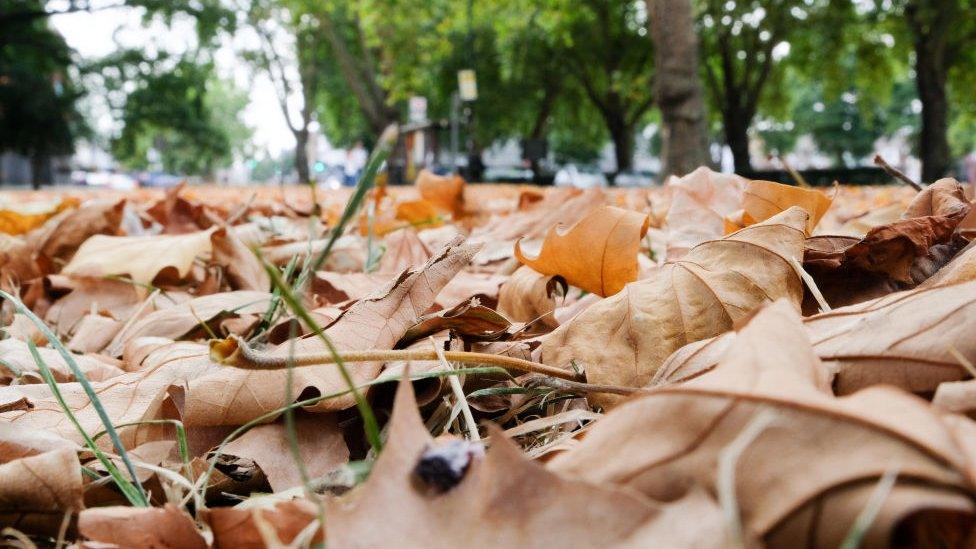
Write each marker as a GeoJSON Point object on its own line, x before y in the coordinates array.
{"type": "Point", "coordinates": [597, 254]}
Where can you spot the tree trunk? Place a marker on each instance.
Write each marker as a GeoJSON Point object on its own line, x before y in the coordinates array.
{"type": "Point", "coordinates": [736, 125]}
{"type": "Point", "coordinates": [37, 162]}
{"type": "Point", "coordinates": [930, 79]}
{"type": "Point", "coordinates": [678, 89]}
{"type": "Point", "coordinates": [622, 135]}
{"type": "Point", "coordinates": [301, 155]}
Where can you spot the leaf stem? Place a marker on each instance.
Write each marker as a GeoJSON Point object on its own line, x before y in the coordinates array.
{"type": "Point", "coordinates": [236, 352]}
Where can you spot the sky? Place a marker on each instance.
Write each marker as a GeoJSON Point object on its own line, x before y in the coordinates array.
{"type": "Point", "coordinates": [94, 35]}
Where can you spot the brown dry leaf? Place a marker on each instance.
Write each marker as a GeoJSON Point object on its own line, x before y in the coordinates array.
{"type": "Point", "coordinates": [764, 199]}
{"type": "Point", "coordinates": [404, 249]}
{"type": "Point", "coordinates": [16, 361]}
{"type": "Point", "coordinates": [235, 528]}
{"type": "Point", "coordinates": [445, 193]}
{"type": "Point", "coordinates": [118, 299]}
{"type": "Point", "coordinates": [25, 217]}
{"type": "Point", "coordinates": [57, 242]}
{"type": "Point", "coordinates": [320, 445]}
{"type": "Point", "coordinates": [528, 296]}
{"type": "Point", "coordinates": [36, 491]}
{"type": "Point", "coordinates": [503, 500]}
{"type": "Point", "coordinates": [905, 339]}
{"type": "Point", "coordinates": [17, 263]}
{"type": "Point", "coordinates": [623, 339]}
{"type": "Point", "coordinates": [597, 254]}
{"type": "Point", "coordinates": [470, 320]}
{"type": "Point", "coordinates": [243, 269]}
{"type": "Point", "coordinates": [700, 203]}
{"type": "Point", "coordinates": [93, 333]}
{"type": "Point", "coordinates": [17, 442]}
{"type": "Point", "coordinates": [331, 288]}
{"type": "Point", "coordinates": [142, 258]}
{"type": "Point", "coordinates": [962, 268]}
{"type": "Point", "coordinates": [176, 321]}
{"type": "Point", "coordinates": [791, 470]}
{"type": "Point", "coordinates": [233, 396]}
{"type": "Point", "coordinates": [140, 527]}
{"type": "Point", "coordinates": [127, 398]}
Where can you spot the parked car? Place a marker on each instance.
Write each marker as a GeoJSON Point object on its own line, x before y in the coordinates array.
{"type": "Point", "coordinates": [583, 177]}
{"type": "Point", "coordinates": [507, 174]}
{"type": "Point", "coordinates": [159, 180]}
{"type": "Point", "coordinates": [635, 178]}
{"type": "Point", "coordinates": [106, 179]}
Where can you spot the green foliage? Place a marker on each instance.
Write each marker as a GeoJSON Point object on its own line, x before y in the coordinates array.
{"type": "Point", "coordinates": [38, 115]}
{"type": "Point", "coordinates": [181, 115]}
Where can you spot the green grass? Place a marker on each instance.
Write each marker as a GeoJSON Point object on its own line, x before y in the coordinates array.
{"type": "Point", "coordinates": [132, 490]}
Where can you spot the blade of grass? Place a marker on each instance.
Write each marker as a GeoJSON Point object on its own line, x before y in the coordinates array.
{"type": "Point", "coordinates": [383, 149]}
{"type": "Point", "coordinates": [369, 419]}
{"type": "Point", "coordinates": [269, 316]}
{"type": "Point", "coordinates": [181, 444]}
{"type": "Point", "coordinates": [131, 490]}
{"type": "Point", "coordinates": [870, 512]}
{"type": "Point", "coordinates": [140, 495]}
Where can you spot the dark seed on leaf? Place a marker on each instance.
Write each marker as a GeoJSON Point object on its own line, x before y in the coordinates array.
{"type": "Point", "coordinates": [442, 466]}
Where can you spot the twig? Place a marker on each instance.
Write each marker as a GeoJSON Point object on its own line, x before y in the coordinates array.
{"type": "Point", "coordinates": [234, 351]}
{"type": "Point", "coordinates": [578, 386]}
{"type": "Point", "coordinates": [896, 173]}
{"type": "Point", "coordinates": [811, 285]}
{"type": "Point", "coordinates": [793, 173]}
{"type": "Point", "coordinates": [458, 394]}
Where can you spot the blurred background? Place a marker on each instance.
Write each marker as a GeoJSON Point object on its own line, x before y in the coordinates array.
{"type": "Point", "coordinates": [121, 93]}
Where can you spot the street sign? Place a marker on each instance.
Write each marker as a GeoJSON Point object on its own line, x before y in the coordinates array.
{"type": "Point", "coordinates": [418, 109]}
{"type": "Point", "coordinates": [468, 85]}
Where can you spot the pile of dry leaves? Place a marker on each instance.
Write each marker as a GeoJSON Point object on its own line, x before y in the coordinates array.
{"type": "Point", "coordinates": [712, 362]}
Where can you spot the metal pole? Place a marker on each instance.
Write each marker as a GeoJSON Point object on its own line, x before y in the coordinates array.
{"type": "Point", "coordinates": [455, 107]}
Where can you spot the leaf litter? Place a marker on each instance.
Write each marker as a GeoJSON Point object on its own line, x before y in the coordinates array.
{"type": "Point", "coordinates": [713, 362]}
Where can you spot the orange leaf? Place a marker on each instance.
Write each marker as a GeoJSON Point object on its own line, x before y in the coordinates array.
{"type": "Point", "coordinates": [598, 253]}
{"type": "Point", "coordinates": [446, 193]}
{"type": "Point", "coordinates": [419, 212]}
{"type": "Point", "coordinates": [764, 199]}
{"type": "Point", "coordinates": [25, 217]}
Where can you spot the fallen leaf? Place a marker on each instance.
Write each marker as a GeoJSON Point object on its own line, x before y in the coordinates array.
{"type": "Point", "coordinates": [404, 249]}
{"type": "Point", "coordinates": [24, 217]}
{"type": "Point", "coordinates": [16, 362]}
{"type": "Point", "coordinates": [142, 258]}
{"type": "Point", "coordinates": [57, 242]}
{"type": "Point", "coordinates": [419, 213]}
{"type": "Point", "coordinates": [597, 254]}
{"type": "Point", "coordinates": [233, 396]}
{"type": "Point", "coordinates": [140, 527]}
{"type": "Point", "coordinates": [700, 203]}
{"type": "Point", "coordinates": [320, 446]}
{"type": "Point", "coordinates": [676, 436]}
{"type": "Point", "coordinates": [529, 296]}
{"type": "Point", "coordinates": [16, 442]}
{"type": "Point", "coordinates": [235, 528]}
{"type": "Point", "coordinates": [445, 193]}
{"type": "Point", "coordinates": [623, 339]}
{"type": "Point", "coordinates": [36, 491]}
{"type": "Point", "coordinates": [470, 320]}
{"type": "Point", "coordinates": [243, 269]}
{"type": "Point", "coordinates": [176, 321]}
{"type": "Point", "coordinates": [764, 199]}
{"type": "Point", "coordinates": [502, 500]}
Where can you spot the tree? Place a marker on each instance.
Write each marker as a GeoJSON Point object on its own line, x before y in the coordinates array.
{"type": "Point", "coordinates": [605, 43]}
{"type": "Point", "coordinates": [38, 115]}
{"type": "Point", "coordinates": [744, 48]}
{"type": "Point", "coordinates": [287, 35]}
{"type": "Point", "coordinates": [940, 34]}
{"type": "Point", "coordinates": [182, 113]}
{"type": "Point", "coordinates": [678, 88]}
